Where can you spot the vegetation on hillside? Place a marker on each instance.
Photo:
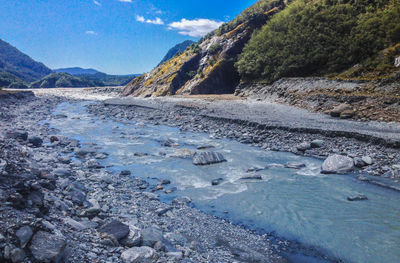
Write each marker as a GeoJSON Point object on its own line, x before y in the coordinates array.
{"type": "Point", "coordinates": [63, 80]}
{"type": "Point", "coordinates": [176, 50]}
{"type": "Point", "coordinates": [20, 65]}
{"type": "Point", "coordinates": [321, 37]}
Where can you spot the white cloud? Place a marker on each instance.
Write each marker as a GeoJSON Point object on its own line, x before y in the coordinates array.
{"type": "Point", "coordinates": [156, 21]}
{"type": "Point", "coordinates": [91, 32]}
{"type": "Point", "coordinates": [126, 1]}
{"type": "Point", "coordinates": [96, 2]}
{"type": "Point", "coordinates": [140, 19]}
{"type": "Point", "coordinates": [196, 27]}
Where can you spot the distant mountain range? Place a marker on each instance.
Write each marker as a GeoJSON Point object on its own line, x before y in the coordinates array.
{"type": "Point", "coordinates": [18, 70]}
{"type": "Point", "coordinates": [19, 64]}
{"type": "Point", "coordinates": [177, 49]}
{"type": "Point", "coordinates": [77, 71]}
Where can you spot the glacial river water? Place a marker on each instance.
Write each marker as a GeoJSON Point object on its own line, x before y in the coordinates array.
{"type": "Point", "coordinates": [296, 205]}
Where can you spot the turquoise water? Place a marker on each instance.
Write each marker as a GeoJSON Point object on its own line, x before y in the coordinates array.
{"type": "Point", "coordinates": [301, 205]}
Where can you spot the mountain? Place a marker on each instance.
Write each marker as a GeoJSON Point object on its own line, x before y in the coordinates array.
{"type": "Point", "coordinates": [77, 71]}
{"type": "Point", "coordinates": [20, 65]}
{"type": "Point", "coordinates": [274, 39]}
{"type": "Point", "coordinates": [179, 48]}
{"type": "Point", "coordinates": [64, 80]}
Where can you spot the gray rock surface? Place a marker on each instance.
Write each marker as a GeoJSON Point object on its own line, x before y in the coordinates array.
{"type": "Point", "coordinates": [336, 164]}
{"type": "Point", "coordinates": [116, 229]}
{"type": "Point", "coordinates": [24, 235]}
{"type": "Point", "coordinates": [47, 248]}
{"type": "Point", "coordinates": [139, 255]}
{"type": "Point", "coordinates": [206, 158]}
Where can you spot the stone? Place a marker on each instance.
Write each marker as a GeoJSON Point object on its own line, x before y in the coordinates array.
{"type": "Point", "coordinates": [303, 146]}
{"type": "Point", "coordinates": [206, 158]}
{"type": "Point", "coordinates": [339, 109]}
{"type": "Point", "coordinates": [317, 143]}
{"type": "Point", "coordinates": [93, 164]}
{"type": "Point", "coordinates": [357, 198]}
{"type": "Point", "coordinates": [183, 200]}
{"type": "Point", "coordinates": [359, 163]}
{"type": "Point", "coordinates": [116, 229]}
{"type": "Point", "coordinates": [35, 141]}
{"type": "Point", "coordinates": [3, 165]}
{"type": "Point", "coordinates": [125, 172]}
{"type": "Point", "coordinates": [367, 160]}
{"type": "Point", "coordinates": [347, 114]}
{"type": "Point", "coordinates": [74, 224]}
{"type": "Point", "coordinates": [252, 177]}
{"type": "Point", "coordinates": [18, 135]}
{"type": "Point", "coordinates": [254, 169]}
{"type": "Point", "coordinates": [151, 235]}
{"type": "Point", "coordinates": [47, 248]}
{"type": "Point", "coordinates": [54, 139]}
{"type": "Point", "coordinates": [205, 147]}
{"type": "Point", "coordinates": [217, 181]}
{"type": "Point", "coordinates": [336, 164]}
{"type": "Point", "coordinates": [17, 255]}
{"type": "Point", "coordinates": [134, 238]}
{"type": "Point", "coordinates": [24, 235]}
{"type": "Point", "coordinates": [61, 172]}
{"type": "Point", "coordinates": [77, 197]}
{"type": "Point", "coordinates": [139, 255]}
{"type": "Point", "coordinates": [397, 62]}
{"type": "Point", "coordinates": [170, 143]}
{"type": "Point", "coordinates": [150, 196]}
{"type": "Point", "coordinates": [295, 165]}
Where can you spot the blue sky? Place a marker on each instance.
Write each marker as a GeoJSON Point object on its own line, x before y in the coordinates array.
{"type": "Point", "coordinates": [113, 36]}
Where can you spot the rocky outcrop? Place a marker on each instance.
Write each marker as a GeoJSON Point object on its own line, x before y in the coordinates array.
{"type": "Point", "coordinates": [206, 158]}
{"type": "Point", "coordinates": [204, 68]}
{"type": "Point", "coordinates": [336, 164]}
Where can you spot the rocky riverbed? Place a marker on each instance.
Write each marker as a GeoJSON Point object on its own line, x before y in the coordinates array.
{"type": "Point", "coordinates": [60, 205]}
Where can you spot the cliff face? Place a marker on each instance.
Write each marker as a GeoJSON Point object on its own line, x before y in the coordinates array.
{"type": "Point", "coordinates": [207, 67]}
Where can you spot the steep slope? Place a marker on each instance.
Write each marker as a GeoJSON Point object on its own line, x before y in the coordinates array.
{"type": "Point", "coordinates": [207, 67]}
{"type": "Point", "coordinates": [316, 38]}
{"type": "Point", "coordinates": [179, 48]}
{"type": "Point", "coordinates": [20, 65]}
{"type": "Point", "coordinates": [77, 71]}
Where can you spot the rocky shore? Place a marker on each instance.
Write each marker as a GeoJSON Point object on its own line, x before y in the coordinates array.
{"type": "Point", "coordinates": [60, 205]}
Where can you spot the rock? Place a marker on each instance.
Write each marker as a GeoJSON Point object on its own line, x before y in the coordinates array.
{"type": "Point", "coordinates": [317, 143]}
{"type": "Point", "coordinates": [125, 172]}
{"type": "Point", "coordinates": [3, 165]}
{"type": "Point", "coordinates": [217, 181]}
{"type": "Point", "coordinates": [359, 163]}
{"type": "Point", "coordinates": [101, 156]}
{"type": "Point", "coordinates": [254, 169]}
{"type": "Point", "coordinates": [165, 182]}
{"type": "Point", "coordinates": [175, 255]}
{"type": "Point", "coordinates": [205, 147]}
{"type": "Point", "coordinates": [151, 235]}
{"type": "Point", "coordinates": [336, 112]}
{"type": "Point", "coordinates": [367, 160]}
{"type": "Point", "coordinates": [47, 248]}
{"type": "Point", "coordinates": [24, 235]}
{"type": "Point", "coordinates": [134, 238]}
{"type": "Point", "coordinates": [17, 255]}
{"type": "Point", "coordinates": [347, 114]}
{"type": "Point", "coordinates": [357, 198]}
{"type": "Point", "coordinates": [74, 224]}
{"type": "Point", "coordinates": [150, 196]}
{"type": "Point", "coordinates": [81, 153]}
{"type": "Point", "coordinates": [54, 139]}
{"type": "Point", "coordinates": [61, 172]}
{"type": "Point", "coordinates": [139, 255]}
{"type": "Point", "coordinates": [35, 141]}
{"type": "Point", "coordinates": [93, 164]}
{"type": "Point", "coordinates": [252, 177]}
{"type": "Point", "coordinates": [116, 229]}
{"type": "Point", "coordinates": [303, 147]}
{"type": "Point", "coordinates": [183, 200]}
{"type": "Point", "coordinates": [77, 197]}
{"type": "Point", "coordinates": [170, 143]}
{"type": "Point", "coordinates": [183, 153]}
{"type": "Point", "coordinates": [18, 135]}
{"type": "Point", "coordinates": [206, 158]}
{"type": "Point", "coordinates": [397, 62]}
{"type": "Point", "coordinates": [336, 163]}
{"type": "Point", "coordinates": [295, 165]}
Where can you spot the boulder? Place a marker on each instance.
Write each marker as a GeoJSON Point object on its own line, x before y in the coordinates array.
{"type": "Point", "coordinates": [17, 255]}
{"type": "Point", "coordinates": [35, 141]}
{"type": "Point", "coordinates": [303, 146]}
{"type": "Point", "coordinates": [295, 165]}
{"type": "Point", "coordinates": [317, 143]}
{"type": "Point", "coordinates": [151, 235]}
{"type": "Point", "coordinates": [134, 238]}
{"type": "Point", "coordinates": [336, 164]}
{"type": "Point", "coordinates": [339, 109]}
{"type": "Point", "coordinates": [47, 248]}
{"type": "Point", "coordinates": [24, 235]}
{"type": "Point", "coordinates": [139, 255]}
{"type": "Point", "coordinates": [206, 158]}
{"type": "Point", "coordinates": [116, 229]}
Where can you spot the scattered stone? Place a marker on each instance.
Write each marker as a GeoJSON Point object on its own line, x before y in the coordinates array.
{"type": "Point", "coordinates": [359, 163]}
{"type": "Point", "coordinates": [367, 160]}
{"type": "Point", "coordinates": [254, 169]}
{"type": "Point", "coordinates": [61, 172]}
{"type": "Point", "coordinates": [18, 135]}
{"type": "Point", "coordinates": [54, 139]}
{"type": "Point", "coordinates": [116, 229]}
{"type": "Point", "coordinates": [170, 143]}
{"type": "Point", "coordinates": [134, 238]}
{"type": "Point", "coordinates": [77, 197]}
{"type": "Point", "coordinates": [252, 177]}
{"type": "Point", "coordinates": [206, 158]}
{"type": "Point", "coordinates": [46, 247]}
{"type": "Point", "coordinates": [165, 182]}
{"type": "Point", "coordinates": [183, 200]}
{"type": "Point", "coordinates": [17, 255]}
{"type": "Point", "coordinates": [139, 255]}
{"type": "Point", "coordinates": [317, 143]}
{"type": "Point", "coordinates": [151, 235]}
{"type": "Point", "coordinates": [150, 196]}
{"type": "Point", "coordinates": [347, 114]}
{"type": "Point", "coordinates": [339, 109]}
{"type": "Point", "coordinates": [217, 181]}
{"type": "Point", "coordinates": [336, 164]}
{"type": "Point", "coordinates": [24, 235]}
{"type": "Point", "coordinates": [205, 147]}
{"type": "Point", "coordinates": [183, 153]}
{"type": "Point", "coordinates": [303, 146]}
{"type": "Point", "coordinates": [35, 141]}
{"type": "Point", "coordinates": [295, 165]}
{"type": "Point", "coordinates": [125, 172]}
{"type": "Point", "coordinates": [357, 198]}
